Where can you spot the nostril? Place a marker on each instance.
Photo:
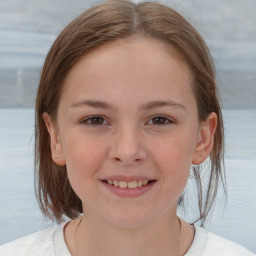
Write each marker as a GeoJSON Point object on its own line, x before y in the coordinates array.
{"type": "Point", "coordinates": [119, 160]}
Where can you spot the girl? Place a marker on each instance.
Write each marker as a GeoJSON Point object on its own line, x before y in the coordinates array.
{"type": "Point", "coordinates": [126, 105]}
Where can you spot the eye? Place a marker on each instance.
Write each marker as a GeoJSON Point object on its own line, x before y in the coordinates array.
{"type": "Point", "coordinates": [160, 120]}
{"type": "Point", "coordinates": [95, 120]}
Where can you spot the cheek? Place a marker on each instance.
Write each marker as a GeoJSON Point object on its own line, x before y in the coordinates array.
{"type": "Point", "coordinates": [174, 157]}
{"type": "Point", "coordinates": [80, 150]}
{"type": "Point", "coordinates": [176, 151]}
{"type": "Point", "coordinates": [83, 159]}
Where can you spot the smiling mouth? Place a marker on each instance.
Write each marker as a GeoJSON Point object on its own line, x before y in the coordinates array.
{"type": "Point", "coordinates": [129, 184]}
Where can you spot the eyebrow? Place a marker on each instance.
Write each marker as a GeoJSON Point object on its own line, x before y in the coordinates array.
{"type": "Point", "coordinates": [94, 104]}
{"type": "Point", "coordinates": [162, 103]}
{"type": "Point", "coordinates": [147, 106]}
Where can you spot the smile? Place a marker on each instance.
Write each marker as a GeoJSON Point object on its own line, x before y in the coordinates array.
{"type": "Point", "coordinates": [130, 184]}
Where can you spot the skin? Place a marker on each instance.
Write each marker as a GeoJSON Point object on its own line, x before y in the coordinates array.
{"type": "Point", "coordinates": [129, 140]}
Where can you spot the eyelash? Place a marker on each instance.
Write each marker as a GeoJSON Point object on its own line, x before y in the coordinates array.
{"type": "Point", "coordinates": [165, 119]}
{"type": "Point", "coordinates": [169, 120]}
{"type": "Point", "coordinates": [85, 121]}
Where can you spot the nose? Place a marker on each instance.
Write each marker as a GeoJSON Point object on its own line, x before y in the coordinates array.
{"type": "Point", "coordinates": [127, 147]}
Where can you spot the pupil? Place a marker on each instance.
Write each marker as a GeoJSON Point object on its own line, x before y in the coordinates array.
{"type": "Point", "coordinates": [97, 120]}
{"type": "Point", "coordinates": [159, 120]}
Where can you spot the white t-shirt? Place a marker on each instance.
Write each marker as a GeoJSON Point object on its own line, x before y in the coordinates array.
{"type": "Point", "coordinates": [51, 242]}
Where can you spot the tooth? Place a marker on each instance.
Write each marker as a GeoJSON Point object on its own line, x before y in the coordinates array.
{"type": "Point", "coordinates": [132, 184]}
{"type": "Point", "coordinates": [145, 182]}
{"type": "Point", "coordinates": [123, 184]}
{"type": "Point", "coordinates": [140, 183]}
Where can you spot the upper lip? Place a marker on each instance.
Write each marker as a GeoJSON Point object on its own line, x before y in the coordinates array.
{"type": "Point", "coordinates": [127, 178]}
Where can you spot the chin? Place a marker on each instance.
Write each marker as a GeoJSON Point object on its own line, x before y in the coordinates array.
{"type": "Point", "coordinates": [130, 220]}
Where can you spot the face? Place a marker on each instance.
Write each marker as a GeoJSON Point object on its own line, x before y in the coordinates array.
{"type": "Point", "coordinates": [127, 130]}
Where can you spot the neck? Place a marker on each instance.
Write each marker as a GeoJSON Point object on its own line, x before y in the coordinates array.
{"type": "Point", "coordinates": [96, 237]}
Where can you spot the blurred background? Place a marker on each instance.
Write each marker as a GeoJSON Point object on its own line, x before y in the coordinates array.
{"type": "Point", "coordinates": [28, 29]}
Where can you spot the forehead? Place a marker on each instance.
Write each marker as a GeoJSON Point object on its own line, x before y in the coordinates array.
{"type": "Point", "coordinates": [149, 48]}
{"type": "Point", "coordinates": [129, 49]}
{"type": "Point", "coordinates": [145, 67]}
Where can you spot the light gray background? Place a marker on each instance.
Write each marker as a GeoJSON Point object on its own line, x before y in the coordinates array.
{"type": "Point", "coordinates": [27, 30]}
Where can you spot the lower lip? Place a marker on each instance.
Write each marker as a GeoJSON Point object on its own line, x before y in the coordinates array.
{"type": "Point", "coordinates": [129, 192]}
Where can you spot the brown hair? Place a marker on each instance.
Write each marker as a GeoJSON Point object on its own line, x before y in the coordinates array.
{"type": "Point", "coordinates": [107, 22]}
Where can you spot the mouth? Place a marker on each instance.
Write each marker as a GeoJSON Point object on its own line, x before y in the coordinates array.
{"type": "Point", "coordinates": [127, 187]}
{"type": "Point", "coordinates": [128, 184]}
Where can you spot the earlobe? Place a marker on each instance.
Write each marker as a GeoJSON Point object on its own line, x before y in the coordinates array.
{"type": "Point", "coordinates": [205, 139]}
{"type": "Point", "coordinates": [56, 146]}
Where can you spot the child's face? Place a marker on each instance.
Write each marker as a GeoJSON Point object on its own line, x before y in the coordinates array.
{"type": "Point", "coordinates": [145, 128]}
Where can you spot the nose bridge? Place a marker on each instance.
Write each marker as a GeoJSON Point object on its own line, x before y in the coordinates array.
{"type": "Point", "coordinates": [127, 146]}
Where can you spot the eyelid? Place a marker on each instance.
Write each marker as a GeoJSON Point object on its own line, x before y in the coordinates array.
{"type": "Point", "coordinates": [84, 120]}
{"type": "Point", "coordinates": [169, 119]}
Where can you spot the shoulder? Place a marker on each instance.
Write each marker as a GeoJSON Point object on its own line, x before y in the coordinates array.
{"type": "Point", "coordinates": [209, 244]}
{"type": "Point", "coordinates": [36, 244]}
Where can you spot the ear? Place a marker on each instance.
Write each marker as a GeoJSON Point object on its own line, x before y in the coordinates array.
{"type": "Point", "coordinates": [205, 139]}
{"type": "Point", "coordinates": [56, 146]}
